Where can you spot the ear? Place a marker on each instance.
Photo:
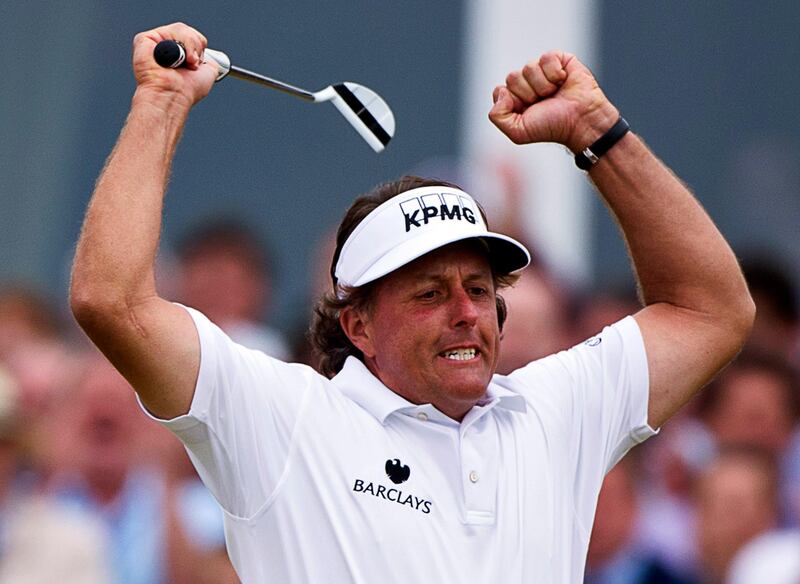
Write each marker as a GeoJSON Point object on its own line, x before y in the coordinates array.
{"type": "Point", "coordinates": [355, 324]}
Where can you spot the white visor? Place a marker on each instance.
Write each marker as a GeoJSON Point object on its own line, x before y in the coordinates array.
{"type": "Point", "coordinates": [414, 223]}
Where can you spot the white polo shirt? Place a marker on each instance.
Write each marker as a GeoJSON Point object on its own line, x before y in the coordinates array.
{"type": "Point", "coordinates": [344, 481]}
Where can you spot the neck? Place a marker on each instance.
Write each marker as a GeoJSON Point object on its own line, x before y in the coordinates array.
{"type": "Point", "coordinates": [455, 410]}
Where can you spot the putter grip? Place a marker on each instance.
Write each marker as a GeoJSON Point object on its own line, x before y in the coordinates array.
{"type": "Point", "coordinates": [170, 54]}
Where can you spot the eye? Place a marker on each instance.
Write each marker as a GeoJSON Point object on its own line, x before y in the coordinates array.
{"type": "Point", "coordinates": [428, 294]}
{"type": "Point", "coordinates": [478, 291]}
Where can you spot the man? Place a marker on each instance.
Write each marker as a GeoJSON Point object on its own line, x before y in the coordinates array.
{"type": "Point", "coordinates": [149, 517]}
{"type": "Point", "coordinates": [413, 463]}
{"type": "Point", "coordinates": [616, 554]}
{"type": "Point", "coordinates": [225, 273]}
{"type": "Point", "coordinates": [43, 539]}
{"type": "Point", "coordinates": [737, 501]}
{"type": "Point", "coordinates": [756, 402]}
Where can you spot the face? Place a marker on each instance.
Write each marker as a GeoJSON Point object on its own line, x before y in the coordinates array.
{"type": "Point", "coordinates": [431, 332]}
{"type": "Point", "coordinates": [765, 422]}
{"type": "Point", "coordinates": [105, 420]}
{"type": "Point", "coordinates": [733, 506]}
{"type": "Point", "coordinates": [224, 287]}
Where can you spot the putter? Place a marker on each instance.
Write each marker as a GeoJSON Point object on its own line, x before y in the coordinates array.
{"type": "Point", "coordinates": [363, 108]}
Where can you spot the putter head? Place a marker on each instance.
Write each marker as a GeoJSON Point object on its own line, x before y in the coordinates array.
{"type": "Point", "coordinates": [364, 109]}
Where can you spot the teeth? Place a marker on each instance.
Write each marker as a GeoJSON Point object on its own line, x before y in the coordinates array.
{"type": "Point", "coordinates": [460, 354]}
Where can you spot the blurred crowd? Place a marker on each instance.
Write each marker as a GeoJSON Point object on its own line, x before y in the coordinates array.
{"type": "Point", "coordinates": [92, 490]}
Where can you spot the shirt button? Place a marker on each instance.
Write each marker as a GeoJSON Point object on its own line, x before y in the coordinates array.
{"type": "Point", "coordinates": [473, 476]}
{"type": "Point", "coordinates": [422, 416]}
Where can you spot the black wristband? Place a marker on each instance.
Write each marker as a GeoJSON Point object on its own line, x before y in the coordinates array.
{"type": "Point", "coordinates": [591, 155]}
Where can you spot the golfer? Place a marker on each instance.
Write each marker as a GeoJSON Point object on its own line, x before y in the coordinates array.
{"type": "Point", "coordinates": [410, 460]}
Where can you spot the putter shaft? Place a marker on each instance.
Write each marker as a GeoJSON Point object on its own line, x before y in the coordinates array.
{"type": "Point", "coordinates": [270, 82]}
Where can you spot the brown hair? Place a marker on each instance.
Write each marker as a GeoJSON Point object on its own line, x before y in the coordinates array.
{"type": "Point", "coordinates": [329, 342]}
{"type": "Point", "coordinates": [753, 360]}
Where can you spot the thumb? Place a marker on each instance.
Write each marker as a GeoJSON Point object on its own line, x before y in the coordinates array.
{"type": "Point", "coordinates": [503, 103]}
{"type": "Point", "coordinates": [504, 114]}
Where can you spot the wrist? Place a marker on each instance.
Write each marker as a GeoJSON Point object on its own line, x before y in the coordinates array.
{"type": "Point", "coordinates": [591, 155]}
{"type": "Point", "coordinates": [169, 103]}
{"type": "Point", "coordinates": [592, 125]}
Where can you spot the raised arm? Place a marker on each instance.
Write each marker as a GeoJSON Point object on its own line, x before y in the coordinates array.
{"type": "Point", "coordinates": [698, 311]}
{"type": "Point", "coordinates": [152, 342]}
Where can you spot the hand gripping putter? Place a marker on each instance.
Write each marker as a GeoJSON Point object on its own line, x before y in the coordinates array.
{"type": "Point", "coordinates": [363, 108]}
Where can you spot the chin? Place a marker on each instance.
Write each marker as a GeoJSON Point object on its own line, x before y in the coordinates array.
{"type": "Point", "coordinates": [468, 390]}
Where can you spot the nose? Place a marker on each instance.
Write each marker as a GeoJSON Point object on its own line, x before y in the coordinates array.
{"type": "Point", "coordinates": [464, 313]}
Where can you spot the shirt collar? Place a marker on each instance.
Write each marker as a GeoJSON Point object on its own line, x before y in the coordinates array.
{"type": "Point", "coordinates": [359, 384]}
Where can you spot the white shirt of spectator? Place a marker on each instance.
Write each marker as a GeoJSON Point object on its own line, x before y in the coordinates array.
{"type": "Point", "coordinates": [343, 480]}
{"type": "Point", "coordinates": [773, 557]}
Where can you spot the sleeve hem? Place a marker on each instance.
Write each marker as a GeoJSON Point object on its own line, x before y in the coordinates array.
{"type": "Point", "coordinates": [637, 363]}
{"type": "Point", "coordinates": [181, 425]}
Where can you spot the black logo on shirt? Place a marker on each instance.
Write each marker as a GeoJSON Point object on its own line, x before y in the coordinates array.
{"type": "Point", "coordinates": [393, 495]}
{"type": "Point", "coordinates": [397, 471]}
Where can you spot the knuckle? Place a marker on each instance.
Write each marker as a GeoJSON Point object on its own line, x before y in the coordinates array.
{"type": "Point", "coordinates": [529, 69]}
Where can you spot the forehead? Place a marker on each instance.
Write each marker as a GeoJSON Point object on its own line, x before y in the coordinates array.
{"type": "Point", "coordinates": [466, 258]}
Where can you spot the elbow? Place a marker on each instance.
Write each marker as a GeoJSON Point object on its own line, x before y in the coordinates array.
{"type": "Point", "coordinates": [748, 316]}
{"type": "Point", "coordinates": [85, 309]}
{"type": "Point", "coordinates": [741, 316]}
{"type": "Point", "coordinates": [91, 307]}
{"type": "Point", "coordinates": [82, 304]}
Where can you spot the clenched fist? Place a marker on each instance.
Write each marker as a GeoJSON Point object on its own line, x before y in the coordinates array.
{"type": "Point", "coordinates": [189, 84]}
{"type": "Point", "coordinates": [553, 99]}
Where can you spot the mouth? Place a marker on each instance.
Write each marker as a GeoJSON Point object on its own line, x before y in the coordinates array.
{"type": "Point", "coordinates": [460, 354]}
{"type": "Point", "coordinates": [103, 430]}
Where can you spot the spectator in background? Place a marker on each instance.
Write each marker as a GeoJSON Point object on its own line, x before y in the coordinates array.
{"type": "Point", "coordinates": [772, 558]}
{"type": "Point", "coordinates": [737, 500]}
{"type": "Point", "coordinates": [593, 312]}
{"type": "Point", "coordinates": [753, 402]}
{"type": "Point", "coordinates": [756, 402]}
{"type": "Point", "coordinates": [43, 370]}
{"type": "Point", "coordinates": [538, 325]}
{"type": "Point", "coordinates": [777, 325]}
{"type": "Point", "coordinates": [671, 464]}
{"type": "Point", "coordinates": [41, 540]}
{"type": "Point", "coordinates": [107, 476]}
{"type": "Point", "coordinates": [225, 273]}
{"type": "Point", "coordinates": [42, 365]}
{"type": "Point", "coordinates": [615, 555]}
{"type": "Point", "coordinates": [25, 317]}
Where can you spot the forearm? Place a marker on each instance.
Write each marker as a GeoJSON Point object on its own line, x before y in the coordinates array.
{"type": "Point", "coordinates": [114, 261]}
{"type": "Point", "coordinates": [698, 311]}
{"type": "Point", "coordinates": [679, 256]}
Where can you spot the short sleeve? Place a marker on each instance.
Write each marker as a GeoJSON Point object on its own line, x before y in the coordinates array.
{"type": "Point", "coordinates": [613, 390]}
{"type": "Point", "coordinates": [595, 398]}
{"type": "Point", "coordinates": [239, 428]}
